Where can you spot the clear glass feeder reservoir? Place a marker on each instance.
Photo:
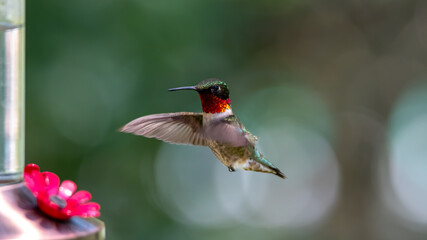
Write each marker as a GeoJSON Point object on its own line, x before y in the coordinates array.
{"type": "Point", "coordinates": [12, 30]}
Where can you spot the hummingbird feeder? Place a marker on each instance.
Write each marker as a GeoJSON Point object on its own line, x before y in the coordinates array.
{"type": "Point", "coordinates": [40, 210]}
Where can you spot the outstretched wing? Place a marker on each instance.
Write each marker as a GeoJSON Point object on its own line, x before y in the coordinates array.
{"type": "Point", "coordinates": [179, 128]}
{"type": "Point", "coordinates": [231, 131]}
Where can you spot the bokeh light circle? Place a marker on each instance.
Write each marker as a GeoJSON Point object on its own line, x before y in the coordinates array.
{"type": "Point", "coordinates": [184, 176]}
{"type": "Point", "coordinates": [303, 199]}
{"type": "Point", "coordinates": [408, 161]}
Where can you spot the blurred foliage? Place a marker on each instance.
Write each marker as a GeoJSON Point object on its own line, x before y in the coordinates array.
{"type": "Point", "coordinates": [92, 66]}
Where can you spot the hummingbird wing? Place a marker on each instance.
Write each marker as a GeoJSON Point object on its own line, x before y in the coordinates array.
{"type": "Point", "coordinates": [179, 128]}
{"type": "Point", "coordinates": [231, 131]}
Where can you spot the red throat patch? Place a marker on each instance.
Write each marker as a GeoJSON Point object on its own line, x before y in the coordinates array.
{"type": "Point", "coordinates": [213, 104]}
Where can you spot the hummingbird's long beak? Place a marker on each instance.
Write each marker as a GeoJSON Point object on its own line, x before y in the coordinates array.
{"type": "Point", "coordinates": [182, 88]}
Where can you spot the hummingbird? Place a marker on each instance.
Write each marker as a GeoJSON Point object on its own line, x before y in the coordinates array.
{"type": "Point", "coordinates": [217, 128]}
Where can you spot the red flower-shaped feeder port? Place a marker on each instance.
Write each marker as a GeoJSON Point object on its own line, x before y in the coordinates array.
{"type": "Point", "coordinates": [58, 201]}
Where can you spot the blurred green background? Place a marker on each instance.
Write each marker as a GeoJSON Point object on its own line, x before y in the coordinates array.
{"type": "Point", "coordinates": [335, 90]}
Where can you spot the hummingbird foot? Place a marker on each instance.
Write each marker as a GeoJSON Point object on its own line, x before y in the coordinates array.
{"type": "Point", "coordinates": [231, 169]}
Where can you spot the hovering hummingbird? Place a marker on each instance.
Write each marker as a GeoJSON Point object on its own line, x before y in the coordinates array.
{"type": "Point", "coordinates": [217, 128]}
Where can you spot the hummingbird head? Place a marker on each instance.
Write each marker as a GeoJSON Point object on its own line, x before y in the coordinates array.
{"type": "Point", "coordinates": [213, 93]}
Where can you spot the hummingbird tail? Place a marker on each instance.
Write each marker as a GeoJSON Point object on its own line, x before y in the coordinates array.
{"type": "Point", "coordinates": [259, 165]}
{"type": "Point", "coordinates": [279, 173]}
{"type": "Point", "coordinates": [266, 166]}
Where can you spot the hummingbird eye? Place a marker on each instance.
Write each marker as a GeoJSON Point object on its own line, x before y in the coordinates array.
{"type": "Point", "coordinates": [216, 87]}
